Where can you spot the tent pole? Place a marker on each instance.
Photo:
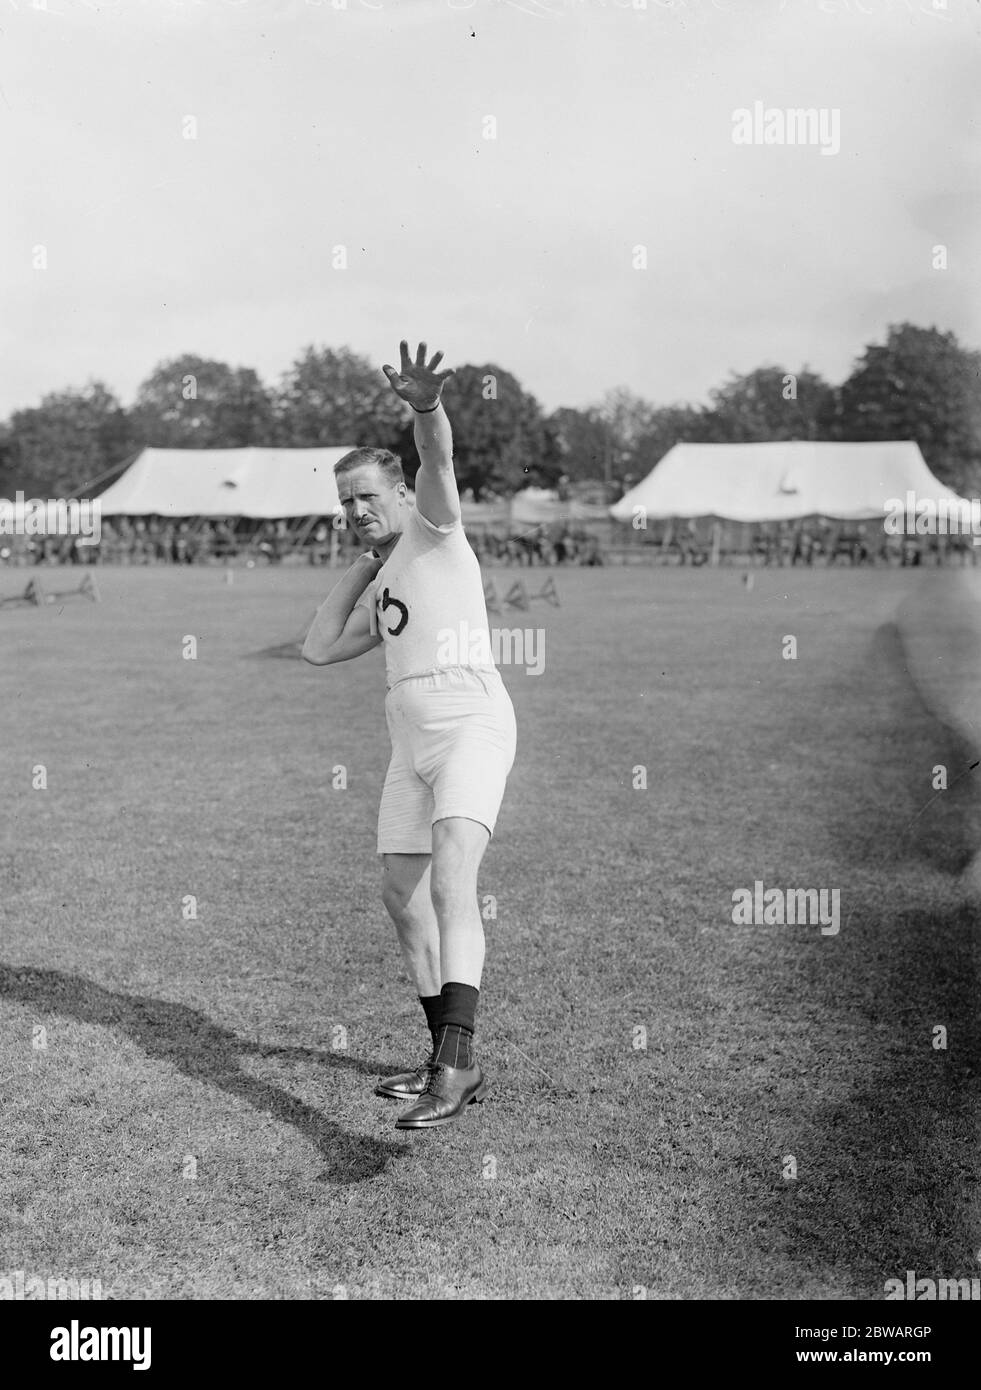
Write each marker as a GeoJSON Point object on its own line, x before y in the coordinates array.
{"type": "Point", "coordinates": [300, 533]}
{"type": "Point", "coordinates": [716, 542]}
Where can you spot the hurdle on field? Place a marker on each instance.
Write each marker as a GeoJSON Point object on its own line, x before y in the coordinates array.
{"type": "Point", "coordinates": [518, 595]}
{"type": "Point", "coordinates": [37, 594]}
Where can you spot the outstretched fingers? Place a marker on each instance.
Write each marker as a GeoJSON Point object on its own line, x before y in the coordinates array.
{"type": "Point", "coordinates": [408, 368]}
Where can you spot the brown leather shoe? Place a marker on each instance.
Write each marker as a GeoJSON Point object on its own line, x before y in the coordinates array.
{"type": "Point", "coordinates": [449, 1092]}
{"type": "Point", "coordinates": [406, 1084]}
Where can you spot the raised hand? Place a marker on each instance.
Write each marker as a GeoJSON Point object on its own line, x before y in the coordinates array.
{"type": "Point", "coordinates": [415, 382]}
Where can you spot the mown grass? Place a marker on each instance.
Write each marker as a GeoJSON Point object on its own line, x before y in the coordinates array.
{"type": "Point", "coordinates": [198, 1127]}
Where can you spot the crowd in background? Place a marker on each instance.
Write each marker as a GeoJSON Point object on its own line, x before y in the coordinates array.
{"type": "Point", "coordinates": [547, 546]}
{"type": "Point", "coordinates": [157, 541]}
{"type": "Point", "coordinates": [814, 541]}
{"type": "Point", "coordinates": [824, 542]}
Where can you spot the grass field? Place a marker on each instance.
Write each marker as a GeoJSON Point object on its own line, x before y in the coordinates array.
{"type": "Point", "coordinates": [187, 1104]}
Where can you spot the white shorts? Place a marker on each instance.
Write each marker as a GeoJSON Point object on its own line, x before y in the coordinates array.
{"type": "Point", "coordinates": [453, 743]}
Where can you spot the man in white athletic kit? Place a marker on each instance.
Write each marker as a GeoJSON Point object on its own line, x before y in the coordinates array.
{"type": "Point", "coordinates": [419, 592]}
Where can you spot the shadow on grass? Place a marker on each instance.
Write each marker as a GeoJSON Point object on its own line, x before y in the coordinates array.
{"type": "Point", "coordinates": [888, 1173]}
{"type": "Point", "coordinates": [941, 828]}
{"type": "Point", "coordinates": [204, 1052]}
{"type": "Point", "coordinates": [882, 1121]}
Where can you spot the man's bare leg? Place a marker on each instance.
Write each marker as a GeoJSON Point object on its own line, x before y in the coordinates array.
{"type": "Point", "coordinates": [407, 896]}
{"type": "Point", "coordinates": [456, 1078]}
{"type": "Point", "coordinates": [458, 847]}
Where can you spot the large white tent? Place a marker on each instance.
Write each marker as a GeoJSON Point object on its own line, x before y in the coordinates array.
{"type": "Point", "coordinates": [273, 483]}
{"type": "Point", "coordinates": [539, 506]}
{"type": "Point", "coordinates": [261, 483]}
{"type": "Point", "coordinates": [783, 481]}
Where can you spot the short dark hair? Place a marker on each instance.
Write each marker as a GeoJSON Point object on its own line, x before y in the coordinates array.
{"type": "Point", "coordinates": [389, 463]}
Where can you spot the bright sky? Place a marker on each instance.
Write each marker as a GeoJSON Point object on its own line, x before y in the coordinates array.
{"type": "Point", "coordinates": [363, 125]}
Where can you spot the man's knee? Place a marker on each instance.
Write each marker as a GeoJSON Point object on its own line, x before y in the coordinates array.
{"type": "Point", "coordinates": [394, 895]}
{"type": "Point", "coordinates": [400, 879]}
{"type": "Point", "coordinates": [458, 846]}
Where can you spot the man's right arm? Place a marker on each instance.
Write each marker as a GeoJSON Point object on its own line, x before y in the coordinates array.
{"type": "Point", "coordinates": [341, 630]}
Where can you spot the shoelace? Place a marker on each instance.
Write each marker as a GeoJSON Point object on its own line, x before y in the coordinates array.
{"type": "Point", "coordinates": [435, 1072]}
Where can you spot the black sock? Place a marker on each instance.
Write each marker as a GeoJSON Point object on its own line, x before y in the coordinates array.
{"type": "Point", "coordinates": [457, 1024]}
{"type": "Point", "coordinates": [432, 1003]}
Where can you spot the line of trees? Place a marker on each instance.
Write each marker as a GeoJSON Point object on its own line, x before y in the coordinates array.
{"type": "Point", "coordinates": [920, 384]}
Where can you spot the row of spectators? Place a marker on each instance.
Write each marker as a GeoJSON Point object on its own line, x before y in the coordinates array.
{"type": "Point", "coordinates": [558, 546]}
{"type": "Point", "coordinates": [824, 543]}
{"type": "Point", "coordinates": [126, 541]}
{"type": "Point", "coordinates": [820, 542]}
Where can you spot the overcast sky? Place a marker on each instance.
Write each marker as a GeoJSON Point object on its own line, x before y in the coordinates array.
{"type": "Point", "coordinates": [364, 126]}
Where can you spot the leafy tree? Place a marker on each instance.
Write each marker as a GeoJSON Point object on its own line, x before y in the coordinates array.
{"type": "Point", "coordinates": [629, 418]}
{"type": "Point", "coordinates": [920, 384]}
{"type": "Point", "coordinates": [337, 397]}
{"type": "Point", "coordinates": [14, 478]}
{"type": "Point", "coordinates": [194, 403]}
{"type": "Point", "coordinates": [70, 438]}
{"type": "Point", "coordinates": [770, 404]}
{"type": "Point", "coordinates": [585, 442]}
{"type": "Point", "coordinates": [671, 425]}
{"type": "Point", "coordinates": [501, 440]}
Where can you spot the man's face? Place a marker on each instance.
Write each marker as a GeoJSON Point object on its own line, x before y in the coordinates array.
{"type": "Point", "coordinates": [372, 505]}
